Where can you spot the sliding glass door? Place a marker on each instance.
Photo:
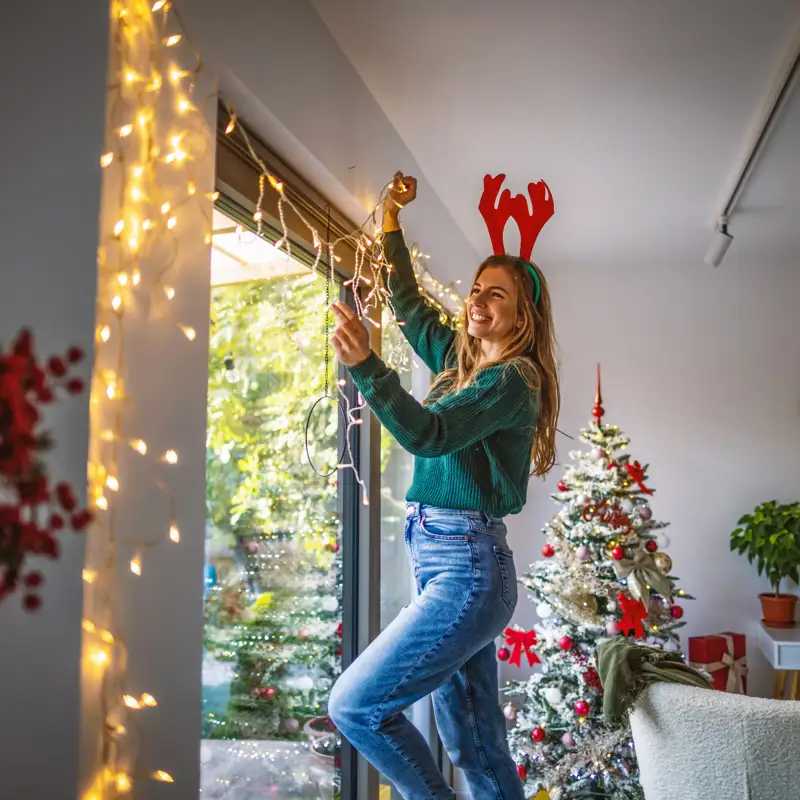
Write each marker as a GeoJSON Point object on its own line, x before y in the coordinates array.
{"type": "Point", "coordinates": [274, 545]}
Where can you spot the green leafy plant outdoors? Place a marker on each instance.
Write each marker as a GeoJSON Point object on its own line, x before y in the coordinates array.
{"type": "Point", "coordinates": [769, 536]}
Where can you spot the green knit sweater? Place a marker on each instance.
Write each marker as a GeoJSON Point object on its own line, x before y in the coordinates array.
{"type": "Point", "coordinates": [472, 447]}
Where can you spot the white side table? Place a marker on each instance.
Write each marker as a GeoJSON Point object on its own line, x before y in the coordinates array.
{"type": "Point", "coordinates": [781, 646]}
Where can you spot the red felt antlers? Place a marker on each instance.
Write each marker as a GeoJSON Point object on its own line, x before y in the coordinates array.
{"type": "Point", "coordinates": [530, 224]}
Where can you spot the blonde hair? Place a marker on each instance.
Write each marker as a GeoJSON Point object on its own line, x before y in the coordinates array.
{"type": "Point", "coordinates": [532, 349]}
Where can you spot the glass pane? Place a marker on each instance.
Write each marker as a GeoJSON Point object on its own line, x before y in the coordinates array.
{"type": "Point", "coordinates": [397, 579]}
{"type": "Point", "coordinates": [273, 622]}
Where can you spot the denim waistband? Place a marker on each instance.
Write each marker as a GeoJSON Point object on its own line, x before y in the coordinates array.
{"type": "Point", "coordinates": [419, 508]}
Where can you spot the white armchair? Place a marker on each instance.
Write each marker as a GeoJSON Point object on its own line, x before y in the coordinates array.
{"type": "Point", "coordinates": [698, 744]}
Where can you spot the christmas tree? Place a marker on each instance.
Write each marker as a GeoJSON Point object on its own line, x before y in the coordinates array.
{"type": "Point", "coordinates": [286, 640]}
{"type": "Point", "coordinates": [605, 574]}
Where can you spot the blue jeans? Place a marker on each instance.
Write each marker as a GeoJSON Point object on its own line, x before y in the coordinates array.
{"type": "Point", "coordinates": [442, 643]}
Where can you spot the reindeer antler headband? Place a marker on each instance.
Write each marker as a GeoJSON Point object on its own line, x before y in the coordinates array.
{"type": "Point", "coordinates": [497, 212]}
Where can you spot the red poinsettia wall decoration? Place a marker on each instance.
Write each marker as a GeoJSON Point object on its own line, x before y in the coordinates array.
{"type": "Point", "coordinates": [32, 511]}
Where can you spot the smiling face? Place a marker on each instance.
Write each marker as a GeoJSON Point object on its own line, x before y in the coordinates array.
{"type": "Point", "coordinates": [492, 313]}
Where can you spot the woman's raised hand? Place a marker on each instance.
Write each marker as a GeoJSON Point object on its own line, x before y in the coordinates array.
{"type": "Point", "coordinates": [402, 191]}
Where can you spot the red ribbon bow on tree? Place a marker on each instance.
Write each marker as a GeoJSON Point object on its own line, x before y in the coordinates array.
{"type": "Point", "coordinates": [518, 641]}
{"type": "Point", "coordinates": [635, 473]}
{"type": "Point", "coordinates": [633, 614]}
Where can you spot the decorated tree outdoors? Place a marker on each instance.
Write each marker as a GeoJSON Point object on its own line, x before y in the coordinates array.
{"type": "Point", "coordinates": [273, 594]}
{"type": "Point", "coordinates": [605, 574]}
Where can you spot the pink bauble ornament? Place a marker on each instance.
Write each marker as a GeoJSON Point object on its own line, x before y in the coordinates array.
{"type": "Point", "coordinates": [538, 734]}
{"type": "Point", "coordinates": [565, 643]}
{"type": "Point", "coordinates": [611, 627]}
{"type": "Point", "coordinates": [581, 708]}
{"type": "Point", "coordinates": [645, 513]}
{"type": "Point", "coordinates": [509, 712]}
{"type": "Point", "coordinates": [583, 553]}
{"type": "Point", "coordinates": [598, 453]}
{"type": "Point", "coordinates": [568, 740]}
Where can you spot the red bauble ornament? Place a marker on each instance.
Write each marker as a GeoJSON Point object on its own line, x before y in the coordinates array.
{"type": "Point", "coordinates": [581, 708]}
{"type": "Point", "coordinates": [56, 367]}
{"type": "Point", "coordinates": [504, 654]}
{"type": "Point", "coordinates": [74, 354]}
{"type": "Point", "coordinates": [651, 546]}
{"type": "Point", "coordinates": [269, 692]}
{"type": "Point", "coordinates": [333, 547]}
{"type": "Point", "coordinates": [562, 487]}
{"type": "Point", "coordinates": [618, 553]}
{"type": "Point", "coordinates": [677, 612]}
{"type": "Point", "coordinates": [548, 551]}
{"type": "Point", "coordinates": [538, 734]}
{"type": "Point", "coordinates": [33, 580]}
{"type": "Point", "coordinates": [522, 772]}
{"type": "Point", "coordinates": [80, 520]}
{"type": "Point", "coordinates": [565, 643]}
{"type": "Point", "coordinates": [32, 602]}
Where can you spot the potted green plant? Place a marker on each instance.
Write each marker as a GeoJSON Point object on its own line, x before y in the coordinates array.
{"type": "Point", "coordinates": [770, 537]}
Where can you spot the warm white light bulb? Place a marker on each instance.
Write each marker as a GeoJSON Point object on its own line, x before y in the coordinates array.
{"type": "Point", "coordinates": [162, 776]}
{"type": "Point", "coordinates": [116, 302]}
{"type": "Point", "coordinates": [171, 457]}
{"type": "Point", "coordinates": [172, 222]}
{"type": "Point", "coordinates": [130, 701]}
{"type": "Point", "coordinates": [148, 700]}
{"type": "Point", "coordinates": [140, 446]}
{"type": "Point", "coordinates": [169, 292]}
{"type": "Point", "coordinates": [101, 502]}
{"type": "Point", "coordinates": [106, 159]}
{"type": "Point", "coordinates": [136, 277]}
{"type": "Point", "coordinates": [105, 333]}
{"type": "Point", "coordinates": [126, 130]}
{"type": "Point", "coordinates": [112, 483]}
{"type": "Point", "coordinates": [173, 40]}
{"type": "Point", "coordinates": [136, 566]}
{"type": "Point", "coordinates": [119, 227]}
{"type": "Point", "coordinates": [174, 533]}
{"type": "Point", "coordinates": [189, 333]}
{"type": "Point", "coordinates": [88, 575]}
{"type": "Point", "coordinates": [99, 657]}
{"type": "Point", "coordinates": [123, 782]}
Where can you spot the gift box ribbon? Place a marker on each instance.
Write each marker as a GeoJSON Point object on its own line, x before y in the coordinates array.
{"type": "Point", "coordinates": [737, 667]}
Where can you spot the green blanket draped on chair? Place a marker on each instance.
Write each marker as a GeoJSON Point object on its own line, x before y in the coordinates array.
{"type": "Point", "coordinates": [627, 668]}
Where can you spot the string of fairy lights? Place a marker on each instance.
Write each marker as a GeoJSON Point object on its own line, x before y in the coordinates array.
{"type": "Point", "coordinates": [156, 136]}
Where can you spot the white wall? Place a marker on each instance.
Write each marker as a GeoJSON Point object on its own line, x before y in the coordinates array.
{"type": "Point", "coordinates": [52, 79]}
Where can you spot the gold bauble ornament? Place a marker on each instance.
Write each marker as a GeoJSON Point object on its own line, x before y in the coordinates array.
{"type": "Point", "coordinates": [663, 562]}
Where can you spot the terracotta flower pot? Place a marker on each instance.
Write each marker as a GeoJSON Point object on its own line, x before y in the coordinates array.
{"type": "Point", "coordinates": [778, 610]}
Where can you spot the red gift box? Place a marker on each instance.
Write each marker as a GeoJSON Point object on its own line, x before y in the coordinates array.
{"type": "Point", "coordinates": [724, 657]}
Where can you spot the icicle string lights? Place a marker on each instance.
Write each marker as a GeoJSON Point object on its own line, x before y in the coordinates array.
{"type": "Point", "coordinates": [155, 137]}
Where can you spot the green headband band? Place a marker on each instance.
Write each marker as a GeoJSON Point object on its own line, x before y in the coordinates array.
{"type": "Point", "coordinates": [537, 286]}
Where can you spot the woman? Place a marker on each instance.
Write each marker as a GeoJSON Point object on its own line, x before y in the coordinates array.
{"type": "Point", "coordinates": [491, 412]}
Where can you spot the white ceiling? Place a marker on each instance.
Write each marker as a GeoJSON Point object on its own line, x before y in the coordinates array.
{"type": "Point", "coordinates": [635, 113]}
